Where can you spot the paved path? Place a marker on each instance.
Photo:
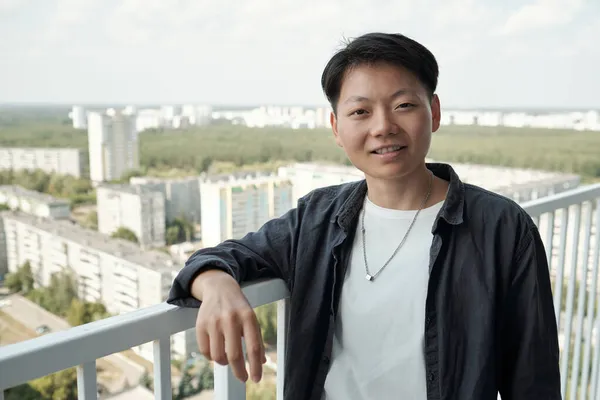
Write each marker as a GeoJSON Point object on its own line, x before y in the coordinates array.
{"type": "Point", "coordinates": [31, 315]}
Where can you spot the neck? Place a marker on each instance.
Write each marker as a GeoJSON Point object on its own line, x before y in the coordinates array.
{"type": "Point", "coordinates": [405, 193]}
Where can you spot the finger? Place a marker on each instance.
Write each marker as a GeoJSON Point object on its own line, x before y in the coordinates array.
{"type": "Point", "coordinates": [254, 346]}
{"type": "Point", "coordinates": [203, 343]}
{"type": "Point", "coordinates": [233, 349]}
{"type": "Point", "coordinates": [217, 348]}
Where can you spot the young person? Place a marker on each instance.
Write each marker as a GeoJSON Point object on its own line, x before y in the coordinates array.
{"type": "Point", "coordinates": [408, 285]}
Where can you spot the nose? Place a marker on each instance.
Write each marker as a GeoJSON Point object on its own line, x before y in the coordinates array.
{"type": "Point", "coordinates": [383, 124]}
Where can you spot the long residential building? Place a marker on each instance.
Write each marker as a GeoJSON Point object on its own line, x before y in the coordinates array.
{"type": "Point", "coordinates": [182, 195]}
{"type": "Point", "coordinates": [113, 145]}
{"type": "Point", "coordinates": [35, 203]}
{"type": "Point", "coordinates": [137, 208]}
{"type": "Point", "coordinates": [231, 208]}
{"type": "Point", "coordinates": [63, 161]}
{"type": "Point", "coordinates": [115, 272]}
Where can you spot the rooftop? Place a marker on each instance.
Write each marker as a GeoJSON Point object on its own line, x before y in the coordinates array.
{"type": "Point", "coordinates": [155, 260]}
{"type": "Point", "coordinates": [41, 149]}
{"type": "Point", "coordinates": [126, 188]}
{"type": "Point", "coordinates": [21, 192]}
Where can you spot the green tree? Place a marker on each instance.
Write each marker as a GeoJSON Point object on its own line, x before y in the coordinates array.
{"type": "Point", "coordinates": [81, 312]}
{"type": "Point", "coordinates": [4, 207]}
{"type": "Point", "coordinates": [126, 234]}
{"type": "Point", "coordinates": [58, 295]}
{"type": "Point", "coordinates": [172, 234]}
{"type": "Point", "coordinates": [22, 392]}
{"type": "Point", "coordinates": [20, 280]}
{"type": "Point", "coordinates": [91, 220]}
{"type": "Point", "coordinates": [206, 378]}
{"type": "Point", "coordinates": [267, 318]}
{"type": "Point", "coordinates": [146, 381]}
{"type": "Point", "coordinates": [61, 385]}
{"type": "Point", "coordinates": [186, 388]}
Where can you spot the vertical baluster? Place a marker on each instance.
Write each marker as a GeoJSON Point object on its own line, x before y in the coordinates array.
{"type": "Point", "coordinates": [283, 310]}
{"type": "Point", "coordinates": [162, 369]}
{"type": "Point", "coordinates": [591, 309]}
{"type": "Point", "coordinates": [227, 386]}
{"type": "Point", "coordinates": [560, 267]}
{"type": "Point", "coordinates": [581, 298]}
{"type": "Point", "coordinates": [564, 360]}
{"type": "Point", "coordinates": [87, 389]}
{"type": "Point", "coordinates": [549, 237]}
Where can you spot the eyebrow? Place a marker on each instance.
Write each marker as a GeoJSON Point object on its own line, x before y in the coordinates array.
{"type": "Point", "coordinates": [358, 99]}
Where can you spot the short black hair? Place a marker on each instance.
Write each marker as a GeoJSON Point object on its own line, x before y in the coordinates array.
{"type": "Point", "coordinates": [376, 47]}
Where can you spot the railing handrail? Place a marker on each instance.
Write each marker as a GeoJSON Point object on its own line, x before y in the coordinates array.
{"type": "Point", "coordinates": [562, 200]}
{"type": "Point", "coordinates": [34, 358]}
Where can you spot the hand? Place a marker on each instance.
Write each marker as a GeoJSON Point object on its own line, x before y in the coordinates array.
{"type": "Point", "coordinates": [224, 317]}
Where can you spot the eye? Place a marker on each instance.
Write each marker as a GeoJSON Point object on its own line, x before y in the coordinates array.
{"type": "Point", "coordinates": [405, 105]}
{"type": "Point", "coordinates": [358, 112]}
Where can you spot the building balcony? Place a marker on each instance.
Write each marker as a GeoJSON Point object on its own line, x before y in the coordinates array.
{"type": "Point", "coordinates": [568, 223]}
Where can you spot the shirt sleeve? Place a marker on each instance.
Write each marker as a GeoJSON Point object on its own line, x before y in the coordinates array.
{"type": "Point", "coordinates": [530, 352]}
{"type": "Point", "coordinates": [267, 253]}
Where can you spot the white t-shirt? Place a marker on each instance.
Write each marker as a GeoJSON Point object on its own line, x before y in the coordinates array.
{"type": "Point", "coordinates": [379, 334]}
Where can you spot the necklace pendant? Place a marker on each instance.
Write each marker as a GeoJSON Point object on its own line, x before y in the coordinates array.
{"type": "Point", "coordinates": [369, 277]}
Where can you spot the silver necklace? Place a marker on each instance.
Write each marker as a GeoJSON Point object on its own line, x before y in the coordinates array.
{"type": "Point", "coordinates": [369, 276]}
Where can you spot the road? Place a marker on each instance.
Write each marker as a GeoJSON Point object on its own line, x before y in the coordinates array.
{"type": "Point", "coordinates": [31, 315]}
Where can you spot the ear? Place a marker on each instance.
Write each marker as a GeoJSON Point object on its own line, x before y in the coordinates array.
{"type": "Point", "coordinates": [334, 128]}
{"type": "Point", "coordinates": [436, 113]}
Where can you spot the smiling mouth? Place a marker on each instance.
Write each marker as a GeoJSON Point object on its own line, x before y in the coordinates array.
{"type": "Point", "coordinates": [389, 149]}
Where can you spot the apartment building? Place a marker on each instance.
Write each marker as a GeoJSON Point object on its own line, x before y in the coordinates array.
{"type": "Point", "coordinates": [137, 208]}
{"type": "Point", "coordinates": [63, 161]}
{"type": "Point", "coordinates": [112, 271]}
{"type": "Point", "coordinates": [35, 203]}
{"type": "Point", "coordinates": [231, 208]}
{"type": "Point", "coordinates": [182, 195]}
{"type": "Point", "coordinates": [113, 145]}
{"type": "Point", "coordinates": [307, 177]}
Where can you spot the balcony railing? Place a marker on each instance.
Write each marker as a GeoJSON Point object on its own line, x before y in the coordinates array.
{"type": "Point", "coordinates": [570, 227]}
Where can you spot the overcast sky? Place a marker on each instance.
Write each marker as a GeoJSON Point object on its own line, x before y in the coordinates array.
{"type": "Point", "coordinates": [492, 53]}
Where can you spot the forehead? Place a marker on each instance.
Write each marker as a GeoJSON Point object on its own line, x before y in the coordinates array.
{"type": "Point", "coordinates": [378, 77]}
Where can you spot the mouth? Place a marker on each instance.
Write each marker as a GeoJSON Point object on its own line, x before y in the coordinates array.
{"type": "Point", "coordinates": [388, 149]}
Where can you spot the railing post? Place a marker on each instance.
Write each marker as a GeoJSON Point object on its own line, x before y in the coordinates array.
{"type": "Point", "coordinates": [227, 386]}
{"type": "Point", "coordinates": [1, 394]}
{"type": "Point", "coordinates": [283, 311]}
{"type": "Point", "coordinates": [87, 388]}
{"type": "Point", "coordinates": [162, 369]}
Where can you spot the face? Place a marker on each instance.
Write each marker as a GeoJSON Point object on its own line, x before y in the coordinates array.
{"type": "Point", "coordinates": [384, 120]}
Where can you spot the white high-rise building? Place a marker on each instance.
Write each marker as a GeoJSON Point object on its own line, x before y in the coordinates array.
{"type": "Point", "coordinates": [79, 117]}
{"type": "Point", "coordinates": [113, 145]}
{"type": "Point", "coordinates": [137, 208]}
{"type": "Point", "coordinates": [63, 161]}
{"type": "Point", "coordinates": [231, 208]}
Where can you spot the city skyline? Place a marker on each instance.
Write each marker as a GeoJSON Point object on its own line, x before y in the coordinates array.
{"type": "Point", "coordinates": [518, 54]}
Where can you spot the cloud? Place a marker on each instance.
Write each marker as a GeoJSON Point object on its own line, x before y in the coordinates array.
{"type": "Point", "coordinates": [540, 15]}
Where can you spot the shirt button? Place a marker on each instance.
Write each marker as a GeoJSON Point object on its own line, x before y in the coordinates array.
{"type": "Point", "coordinates": [326, 359]}
{"type": "Point", "coordinates": [431, 377]}
{"type": "Point", "coordinates": [427, 321]}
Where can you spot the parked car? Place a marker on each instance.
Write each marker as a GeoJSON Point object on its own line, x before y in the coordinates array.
{"type": "Point", "coordinates": [40, 330]}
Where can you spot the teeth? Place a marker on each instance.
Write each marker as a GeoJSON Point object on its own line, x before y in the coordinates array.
{"type": "Point", "coordinates": [387, 149]}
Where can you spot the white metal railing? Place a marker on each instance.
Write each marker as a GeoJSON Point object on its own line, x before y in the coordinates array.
{"type": "Point", "coordinates": [570, 226]}
{"type": "Point", "coordinates": [569, 223]}
{"type": "Point", "coordinates": [81, 346]}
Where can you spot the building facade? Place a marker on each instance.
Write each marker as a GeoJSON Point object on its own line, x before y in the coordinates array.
{"type": "Point", "coordinates": [231, 208]}
{"type": "Point", "coordinates": [113, 145]}
{"type": "Point", "coordinates": [35, 203]}
{"type": "Point", "coordinates": [137, 208]}
{"type": "Point", "coordinates": [63, 161]}
{"type": "Point", "coordinates": [182, 196]}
